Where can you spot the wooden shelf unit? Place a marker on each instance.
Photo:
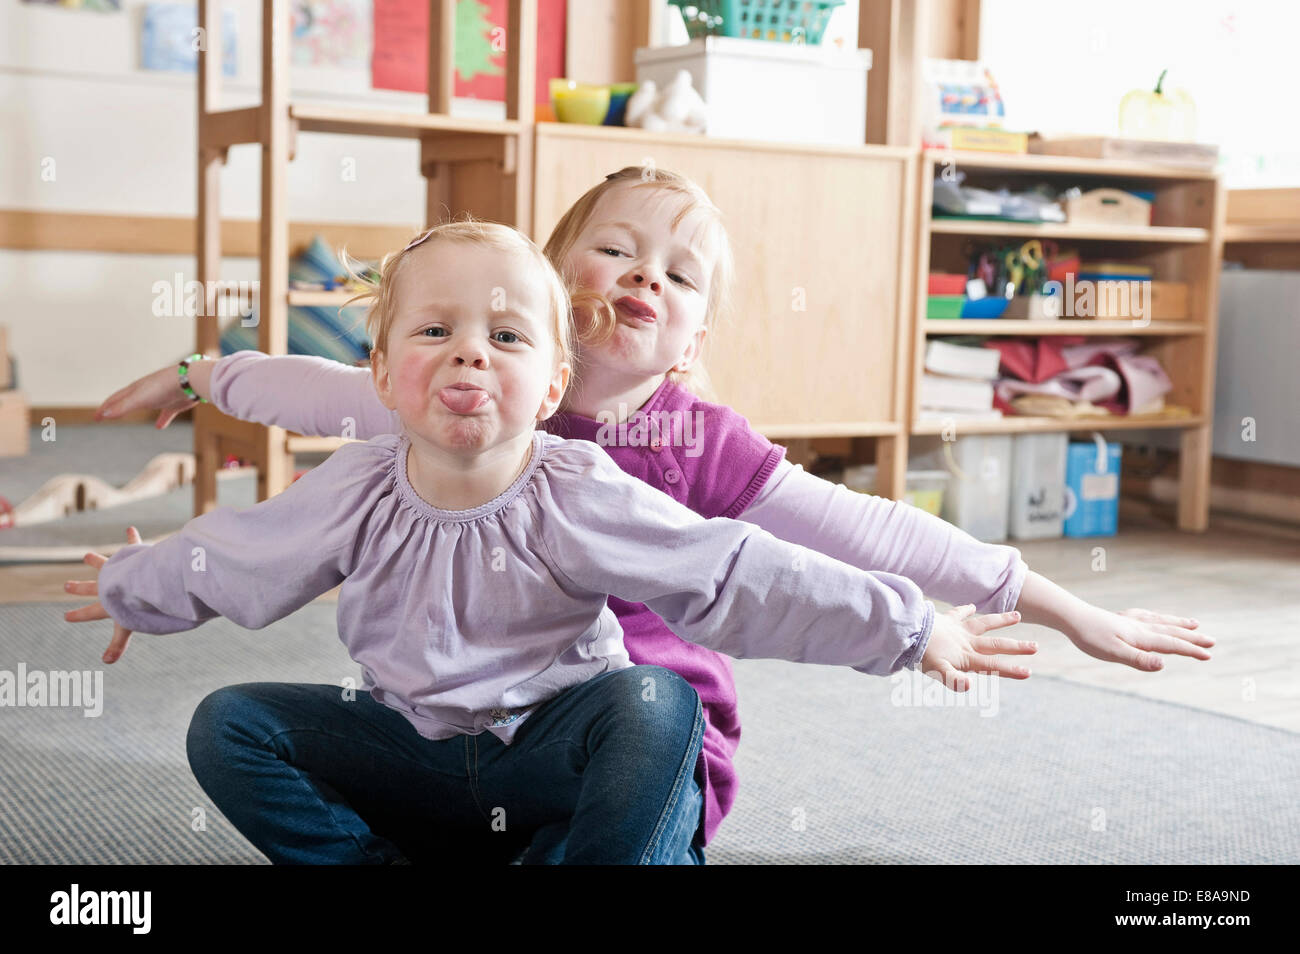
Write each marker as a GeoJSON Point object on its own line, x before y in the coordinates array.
{"type": "Point", "coordinates": [1262, 228]}
{"type": "Point", "coordinates": [478, 166]}
{"type": "Point", "coordinates": [1183, 243]}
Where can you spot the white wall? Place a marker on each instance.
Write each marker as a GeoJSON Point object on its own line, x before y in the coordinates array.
{"type": "Point", "coordinates": [1063, 67]}
{"type": "Point", "coordinates": [122, 141]}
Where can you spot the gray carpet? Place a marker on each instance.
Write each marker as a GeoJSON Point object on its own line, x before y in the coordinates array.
{"type": "Point", "coordinates": [832, 771]}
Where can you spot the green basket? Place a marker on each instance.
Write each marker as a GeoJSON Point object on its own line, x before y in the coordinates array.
{"type": "Point", "coordinates": [789, 21]}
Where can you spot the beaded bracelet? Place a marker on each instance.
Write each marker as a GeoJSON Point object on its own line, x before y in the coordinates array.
{"type": "Point", "coordinates": [184, 371]}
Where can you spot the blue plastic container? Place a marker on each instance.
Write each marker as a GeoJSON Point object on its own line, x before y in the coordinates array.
{"type": "Point", "coordinates": [990, 307]}
{"type": "Point", "coordinates": [1091, 493]}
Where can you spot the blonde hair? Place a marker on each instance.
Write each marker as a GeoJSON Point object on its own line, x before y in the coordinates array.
{"type": "Point", "coordinates": [383, 306]}
{"type": "Point", "coordinates": [600, 318]}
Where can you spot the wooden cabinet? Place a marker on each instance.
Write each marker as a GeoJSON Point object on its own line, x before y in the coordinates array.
{"type": "Point", "coordinates": [820, 237]}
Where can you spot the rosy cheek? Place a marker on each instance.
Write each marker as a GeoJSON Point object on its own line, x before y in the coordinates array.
{"type": "Point", "coordinates": [593, 275]}
{"type": "Point", "coordinates": [411, 371]}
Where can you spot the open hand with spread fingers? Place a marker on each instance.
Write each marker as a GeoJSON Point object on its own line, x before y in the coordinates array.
{"type": "Point", "coordinates": [959, 644]}
{"type": "Point", "coordinates": [121, 635]}
{"type": "Point", "coordinates": [1135, 637]}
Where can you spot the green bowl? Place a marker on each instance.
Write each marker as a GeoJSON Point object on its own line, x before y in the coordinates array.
{"type": "Point", "coordinates": [576, 102]}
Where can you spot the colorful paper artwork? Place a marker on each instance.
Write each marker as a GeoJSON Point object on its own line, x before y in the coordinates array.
{"type": "Point", "coordinates": [170, 39]}
{"type": "Point", "coordinates": [94, 6]}
{"type": "Point", "coordinates": [401, 31]}
{"type": "Point", "coordinates": [332, 33]}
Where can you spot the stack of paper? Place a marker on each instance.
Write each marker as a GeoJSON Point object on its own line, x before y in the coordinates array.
{"type": "Point", "coordinates": [958, 382]}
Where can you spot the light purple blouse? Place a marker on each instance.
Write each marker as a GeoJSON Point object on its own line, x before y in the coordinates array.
{"type": "Point", "coordinates": [463, 621]}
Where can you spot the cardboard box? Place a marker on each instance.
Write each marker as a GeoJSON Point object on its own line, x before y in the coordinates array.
{"type": "Point", "coordinates": [1169, 301]}
{"type": "Point", "coordinates": [14, 426]}
{"type": "Point", "coordinates": [1165, 301]}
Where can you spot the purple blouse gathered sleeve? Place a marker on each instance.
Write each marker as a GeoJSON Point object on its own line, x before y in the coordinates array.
{"type": "Point", "coordinates": [252, 566]}
{"type": "Point", "coordinates": [730, 586]}
{"type": "Point", "coordinates": [876, 533]}
{"type": "Point", "coordinates": [307, 395]}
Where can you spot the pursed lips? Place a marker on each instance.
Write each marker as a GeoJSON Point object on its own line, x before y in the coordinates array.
{"type": "Point", "coordinates": [636, 308]}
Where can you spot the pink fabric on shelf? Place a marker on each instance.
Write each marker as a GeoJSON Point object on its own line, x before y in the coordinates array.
{"type": "Point", "coordinates": [1144, 381]}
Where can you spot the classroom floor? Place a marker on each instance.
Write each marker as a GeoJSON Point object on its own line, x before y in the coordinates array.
{"type": "Point", "coordinates": [1240, 579]}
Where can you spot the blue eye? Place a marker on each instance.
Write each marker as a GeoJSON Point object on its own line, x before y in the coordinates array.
{"type": "Point", "coordinates": [514, 338]}
{"type": "Point", "coordinates": [440, 332]}
{"type": "Point", "coordinates": [614, 250]}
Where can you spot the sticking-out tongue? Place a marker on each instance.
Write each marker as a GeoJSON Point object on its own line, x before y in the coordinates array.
{"type": "Point", "coordinates": [463, 400]}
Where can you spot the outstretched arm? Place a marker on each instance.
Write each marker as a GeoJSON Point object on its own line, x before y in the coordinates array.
{"type": "Point", "coordinates": [314, 396]}
{"type": "Point", "coordinates": [252, 566]}
{"type": "Point", "coordinates": [875, 533]}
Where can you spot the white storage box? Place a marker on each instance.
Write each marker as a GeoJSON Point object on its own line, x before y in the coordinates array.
{"type": "Point", "coordinates": [979, 492]}
{"type": "Point", "coordinates": [1038, 486]}
{"type": "Point", "coordinates": [760, 89]}
{"type": "Point", "coordinates": [978, 498]}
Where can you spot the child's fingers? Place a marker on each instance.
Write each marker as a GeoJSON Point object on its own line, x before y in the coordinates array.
{"type": "Point", "coordinates": [979, 625]}
{"type": "Point", "coordinates": [121, 639]}
{"type": "Point", "coordinates": [1152, 617]}
{"type": "Point", "coordinates": [132, 535]}
{"type": "Point", "coordinates": [997, 666]}
{"type": "Point", "coordinates": [962, 612]}
{"type": "Point", "coordinates": [1137, 657]}
{"type": "Point", "coordinates": [82, 587]}
{"type": "Point", "coordinates": [947, 674]}
{"type": "Point", "coordinates": [1200, 639]}
{"type": "Point", "coordinates": [94, 559]}
{"type": "Point", "coordinates": [1003, 644]}
{"type": "Point", "coordinates": [109, 408]}
{"type": "Point", "coordinates": [93, 611]}
{"type": "Point", "coordinates": [1162, 643]}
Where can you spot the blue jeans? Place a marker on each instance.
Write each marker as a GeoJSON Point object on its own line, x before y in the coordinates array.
{"type": "Point", "coordinates": [601, 774]}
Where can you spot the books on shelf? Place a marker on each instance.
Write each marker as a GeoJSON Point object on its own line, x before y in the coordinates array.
{"type": "Point", "coordinates": [958, 381]}
{"type": "Point", "coordinates": [940, 392]}
{"type": "Point", "coordinates": [943, 357]}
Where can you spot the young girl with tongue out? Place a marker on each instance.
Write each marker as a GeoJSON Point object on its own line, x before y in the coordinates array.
{"type": "Point", "coordinates": [648, 263]}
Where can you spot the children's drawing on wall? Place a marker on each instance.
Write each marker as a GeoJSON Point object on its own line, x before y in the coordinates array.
{"type": "Point", "coordinates": [170, 40]}
{"type": "Point", "coordinates": [96, 6]}
{"type": "Point", "coordinates": [331, 33]}
{"type": "Point", "coordinates": [401, 47]}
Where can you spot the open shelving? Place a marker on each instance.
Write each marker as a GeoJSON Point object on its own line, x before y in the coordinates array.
{"type": "Point", "coordinates": [1183, 243]}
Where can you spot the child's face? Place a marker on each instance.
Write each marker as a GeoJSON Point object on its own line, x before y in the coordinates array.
{"type": "Point", "coordinates": [629, 249]}
{"type": "Point", "coordinates": [471, 358]}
